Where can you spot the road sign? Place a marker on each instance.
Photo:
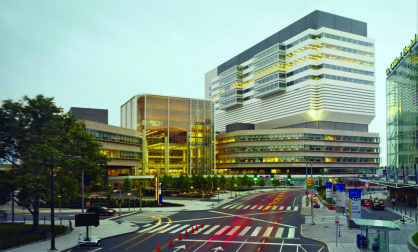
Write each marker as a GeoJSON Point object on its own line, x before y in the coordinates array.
{"type": "Point", "coordinates": [337, 219]}
{"type": "Point", "coordinates": [87, 203]}
{"type": "Point", "coordinates": [354, 193]}
{"type": "Point", "coordinates": [134, 197]}
{"type": "Point", "coordinates": [267, 177]}
{"type": "Point", "coordinates": [306, 193]}
{"type": "Point", "coordinates": [312, 187]}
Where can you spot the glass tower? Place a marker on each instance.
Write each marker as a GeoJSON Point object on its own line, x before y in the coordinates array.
{"type": "Point", "coordinates": [402, 109]}
{"type": "Point", "coordinates": [177, 133]}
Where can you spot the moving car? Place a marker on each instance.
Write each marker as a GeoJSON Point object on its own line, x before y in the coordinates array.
{"type": "Point", "coordinates": [101, 210]}
{"type": "Point", "coordinates": [366, 202]}
{"type": "Point", "coordinates": [117, 190]}
{"type": "Point", "coordinates": [377, 205]}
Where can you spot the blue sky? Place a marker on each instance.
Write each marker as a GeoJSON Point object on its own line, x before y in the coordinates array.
{"type": "Point", "coordinates": [98, 54]}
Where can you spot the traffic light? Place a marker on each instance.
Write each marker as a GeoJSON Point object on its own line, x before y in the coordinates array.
{"type": "Point", "coordinates": [289, 177]}
{"type": "Point", "coordinates": [255, 177]}
{"type": "Point", "coordinates": [62, 190]}
{"type": "Point", "coordinates": [309, 181]}
{"type": "Point", "coordinates": [117, 202]}
{"type": "Point", "coordinates": [142, 194]}
{"type": "Point", "coordinates": [272, 177]}
{"type": "Point", "coordinates": [314, 195]}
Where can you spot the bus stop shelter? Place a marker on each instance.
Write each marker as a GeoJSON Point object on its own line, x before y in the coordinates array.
{"type": "Point", "coordinates": [378, 229]}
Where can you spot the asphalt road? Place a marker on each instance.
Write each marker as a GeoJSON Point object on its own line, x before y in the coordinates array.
{"type": "Point", "coordinates": [268, 221]}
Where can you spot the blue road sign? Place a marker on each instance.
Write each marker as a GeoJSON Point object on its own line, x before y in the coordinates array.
{"type": "Point", "coordinates": [340, 187]}
{"type": "Point", "coordinates": [354, 193]}
{"type": "Point", "coordinates": [328, 185]}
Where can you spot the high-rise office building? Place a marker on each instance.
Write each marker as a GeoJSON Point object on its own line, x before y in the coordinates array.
{"type": "Point", "coordinates": [177, 134]}
{"type": "Point", "coordinates": [316, 73]}
{"type": "Point", "coordinates": [402, 108]}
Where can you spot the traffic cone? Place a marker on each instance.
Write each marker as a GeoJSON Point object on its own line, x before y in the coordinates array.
{"type": "Point", "coordinates": [185, 234]}
{"type": "Point", "coordinates": [180, 238]}
{"type": "Point", "coordinates": [192, 231]}
{"type": "Point", "coordinates": [201, 225]}
{"type": "Point", "coordinates": [158, 247]}
{"type": "Point", "coordinates": [196, 228]}
{"type": "Point", "coordinates": [171, 242]}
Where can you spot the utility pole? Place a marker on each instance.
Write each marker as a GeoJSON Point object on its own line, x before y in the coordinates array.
{"type": "Point", "coordinates": [140, 199]}
{"type": "Point", "coordinates": [120, 202]}
{"type": "Point", "coordinates": [313, 223]}
{"type": "Point", "coordinates": [212, 193]}
{"type": "Point", "coordinates": [82, 191]}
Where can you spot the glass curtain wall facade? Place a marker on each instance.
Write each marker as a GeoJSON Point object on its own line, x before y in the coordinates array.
{"type": "Point", "coordinates": [177, 134]}
{"type": "Point", "coordinates": [402, 111]}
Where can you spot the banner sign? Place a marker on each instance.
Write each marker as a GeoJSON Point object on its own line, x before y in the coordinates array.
{"type": "Point", "coordinates": [355, 203]}
{"type": "Point", "coordinates": [354, 193]}
{"type": "Point", "coordinates": [340, 199]}
{"type": "Point", "coordinates": [156, 189]}
{"type": "Point", "coordinates": [328, 189]}
{"type": "Point", "coordinates": [340, 187]}
{"type": "Point", "coordinates": [160, 193]}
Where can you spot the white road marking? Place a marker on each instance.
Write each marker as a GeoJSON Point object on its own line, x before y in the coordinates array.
{"type": "Point", "coordinates": [226, 206]}
{"type": "Point", "coordinates": [244, 231]}
{"type": "Point", "coordinates": [143, 230]}
{"type": "Point", "coordinates": [259, 207]}
{"type": "Point", "coordinates": [201, 229]}
{"type": "Point", "coordinates": [289, 208]}
{"type": "Point", "coordinates": [291, 233]}
{"type": "Point", "coordinates": [274, 208]}
{"type": "Point", "coordinates": [212, 229]}
{"type": "Point", "coordinates": [268, 232]}
{"type": "Point", "coordinates": [222, 230]}
{"type": "Point", "coordinates": [294, 202]}
{"type": "Point", "coordinates": [252, 208]}
{"type": "Point", "coordinates": [240, 242]}
{"type": "Point", "coordinates": [180, 229]}
{"type": "Point", "coordinates": [240, 207]}
{"type": "Point", "coordinates": [281, 208]}
{"type": "Point", "coordinates": [256, 231]}
{"type": "Point", "coordinates": [296, 208]}
{"type": "Point", "coordinates": [246, 207]}
{"type": "Point", "coordinates": [147, 225]}
{"type": "Point", "coordinates": [233, 230]}
{"type": "Point", "coordinates": [241, 245]}
{"type": "Point", "coordinates": [167, 229]}
{"type": "Point", "coordinates": [279, 233]}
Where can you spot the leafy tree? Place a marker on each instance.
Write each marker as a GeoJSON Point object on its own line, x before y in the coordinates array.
{"type": "Point", "coordinates": [127, 184]}
{"type": "Point", "coordinates": [276, 182]}
{"type": "Point", "coordinates": [166, 181]}
{"type": "Point", "coordinates": [140, 186]}
{"type": "Point", "coordinates": [222, 182]}
{"type": "Point", "coordinates": [108, 191]}
{"type": "Point", "coordinates": [215, 180]}
{"type": "Point", "coordinates": [261, 182]}
{"type": "Point", "coordinates": [186, 183]}
{"type": "Point", "coordinates": [33, 130]}
{"type": "Point", "coordinates": [244, 180]}
{"type": "Point", "coordinates": [320, 180]}
{"type": "Point", "coordinates": [97, 185]}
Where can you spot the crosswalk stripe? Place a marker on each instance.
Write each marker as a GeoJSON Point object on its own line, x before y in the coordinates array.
{"type": "Point", "coordinates": [291, 233]}
{"type": "Point", "coordinates": [246, 207]}
{"type": "Point", "coordinates": [256, 231]}
{"type": "Point", "coordinates": [212, 229]}
{"type": "Point", "coordinates": [231, 207]}
{"type": "Point", "coordinates": [296, 208]}
{"type": "Point", "coordinates": [226, 206]}
{"type": "Point", "coordinates": [169, 228]}
{"type": "Point", "coordinates": [281, 208]}
{"type": "Point", "coordinates": [274, 208]}
{"type": "Point", "coordinates": [233, 230]}
{"type": "Point", "coordinates": [222, 230]}
{"type": "Point", "coordinates": [180, 229]}
{"type": "Point", "coordinates": [289, 208]}
{"type": "Point", "coordinates": [147, 225]}
{"type": "Point", "coordinates": [253, 207]}
{"type": "Point", "coordinates": [244, 231]}
{"type": "Point", "coordinates": [259, 207]}
{"type": "Point", "coordinates": [279, 233]}
{"type": "Point", "coordinates": [268, 232]}
{"type": "Point", "coordinates": [201, 229]}
{"type": "Point", "coordinates": [240, 207]}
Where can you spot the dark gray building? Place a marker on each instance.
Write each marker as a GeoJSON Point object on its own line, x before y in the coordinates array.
{"type": "Point", "coordinates": [95, 115]}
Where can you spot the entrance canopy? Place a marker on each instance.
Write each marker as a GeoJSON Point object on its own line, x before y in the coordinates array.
{"type": "Point", "coordinates": [377, 224]}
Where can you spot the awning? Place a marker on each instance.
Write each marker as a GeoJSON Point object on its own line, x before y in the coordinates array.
{"type": "Point", "coordinates": [381, 225]}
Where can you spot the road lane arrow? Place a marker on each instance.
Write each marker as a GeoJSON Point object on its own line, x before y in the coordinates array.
{"type": "Point", "coordinates": [218, 248]}
{"type": "Point", "coordinates": [180, 247]}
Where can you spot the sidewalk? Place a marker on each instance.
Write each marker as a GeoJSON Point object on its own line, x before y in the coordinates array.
{"type": "Point", "coordinates": [325, 222]}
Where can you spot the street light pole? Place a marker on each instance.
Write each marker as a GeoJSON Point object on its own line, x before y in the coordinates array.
{"type": "Point", "coordinates": [82, 191]}
{"type": "Point", "coordinates": [52, 199]}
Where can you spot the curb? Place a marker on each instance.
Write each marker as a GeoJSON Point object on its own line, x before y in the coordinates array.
{"type": "Point", "coordinates": [301, 234]}
{"type": "Point", "coordinates": [401, 214]}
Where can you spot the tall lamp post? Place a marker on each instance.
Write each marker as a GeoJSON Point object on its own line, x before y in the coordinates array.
{"type": "Point", "coordinates": [191, 195]}
{"type": "Point", "coordinates": [52, 198]}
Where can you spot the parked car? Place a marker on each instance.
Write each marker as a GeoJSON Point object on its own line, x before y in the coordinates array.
{"type": "Point", "coordinates": [377, 205]}
{"type": "Point", "coordinates": [366, 202]}
{"type": "Point", "coordinates": [117, 190]}
{"type": "Point", "coordinates": [101, 210]}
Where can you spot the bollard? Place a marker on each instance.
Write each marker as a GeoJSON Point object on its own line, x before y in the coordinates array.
{"type": "Point", "coordinates": [410, 213]}
{"type": "Point", "coordinates": [44, 220]}
{"type": "Point", "coordinates": [63, 230]}
{"type": "Point", "coordinates": [24, 219]}
{"type": "Point", "coordinates": [71, 226]}
{"type": "Point", "coordinates": [416, 217]}
{"type": "Point", "coordinates": [381, 217]}
{"type": "Point", "coordinates": [60, 221]}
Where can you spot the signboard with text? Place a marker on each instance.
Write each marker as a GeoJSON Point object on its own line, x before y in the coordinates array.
{"type": "Point", "coordinates": [355, 203]}
{"type": "Point", "coordinates": [328, 189]}
{"type": "Point", "coordinates": [160, 193]}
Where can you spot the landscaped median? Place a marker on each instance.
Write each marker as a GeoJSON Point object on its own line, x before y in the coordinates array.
{"type": "Point", "coordinates": [413, 242]}
{"type": "Point", "coordinates": [12, 235]}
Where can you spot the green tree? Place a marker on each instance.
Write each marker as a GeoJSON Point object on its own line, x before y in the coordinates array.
{"type": "Point", "coordinates": [108, 191]}
{"type": "Point", "coordinates": [166, 181]}
{"type": "Point", "coordinates": [320, 180]}
{"type": "Point", "coordinates": [215, 180]}
{"type": "Point", "coordinates": [127, 185]}
{"type": "Point", "coordinates": [222, 181]}
{"type": "Point", "coordinates": [33, 130]}
{"type": "Point", "coordinates": [261, 182]}
{"type": "Point", "coordinates": [276, 182]}
{"type": "Point", "coordinates": [97, 185]}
